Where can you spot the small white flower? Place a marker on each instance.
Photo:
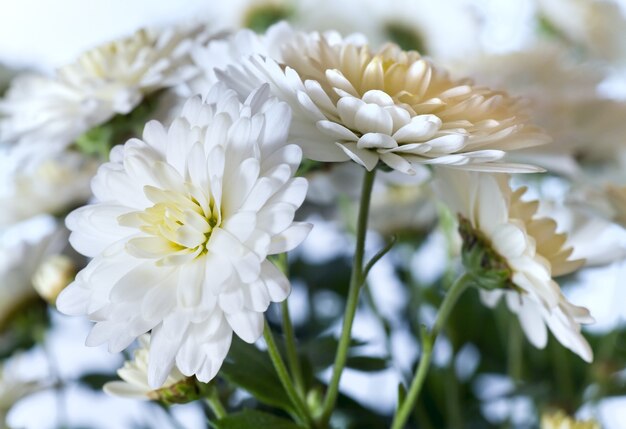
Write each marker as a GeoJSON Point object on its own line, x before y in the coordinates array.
{"type": "Point", "coordinates": [134, 374]}
{"type": "Point", "coordinates": [528, 247]}
{"type": "Point", "coordinates": [13, 387]}
{"type": "Point", "coordinates": [49, 113]}
{"type": "Point", "coordinates": [181, 230]}
{"type": "Point", "coordinates": [52, 186]}
{"type": "Point", "coordinates": [389, 106]}
{"type": "Point", "coordinates": [21, 258]}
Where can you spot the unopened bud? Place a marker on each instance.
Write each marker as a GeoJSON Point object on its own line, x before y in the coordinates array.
{"type": "Point", "coordinates": [54, 274]}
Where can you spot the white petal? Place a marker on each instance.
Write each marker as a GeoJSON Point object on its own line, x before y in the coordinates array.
{"type": "Point", "coordinates": [289, 238]}
{"type": "Point", "coordinates": [248, 325]}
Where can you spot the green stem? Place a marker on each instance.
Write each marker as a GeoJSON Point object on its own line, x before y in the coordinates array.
{"type": "Point", "coordinates": [214, 402]}
{"type": "Point", "coordinates": [290, 337]}
{"type": "Point", "coordinates": [292, 353]}
{"type": "Point", "coordinates": [300, 408]}
{"type": "Point", "coordinates": [428, 342]}
{"type": "Point", "coordinates": [356, 281]}
{"type": "Point", "coordinates": [516, 342]}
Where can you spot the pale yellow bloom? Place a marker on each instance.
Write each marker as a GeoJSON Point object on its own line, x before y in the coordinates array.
{"type": "Point", "coordinates": [560, 420]}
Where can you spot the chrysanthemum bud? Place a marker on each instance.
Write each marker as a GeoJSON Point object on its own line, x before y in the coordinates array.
{"type": "Point", "coordinates": [54, 274]}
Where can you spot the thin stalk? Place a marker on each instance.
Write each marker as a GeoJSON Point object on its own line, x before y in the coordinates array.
{"type": "Point", "coordinates": [356, 281]}
{"type": "Point", "coordinates": [516, 342]}
{"type": "Point", "coordinates": [215, 404]}
{"type": "Point", "coordinates": [300, 408]}
{"type": "Point", "coordinates": [428, 342]}
{"type": "Point", "coordinates": [290, 337]}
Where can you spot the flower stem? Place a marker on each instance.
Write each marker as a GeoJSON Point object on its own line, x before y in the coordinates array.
{"type": "Point", "coordinates": [283, 375]}
{"type": "Point", "coordinates": [428, 342]}
{"type": "Point", "coordinates": [357, 279]}
{"type": "Point", "coordinates": [290, 337]}
{"type": "Point", "coordinates": [292, 353]}
{"type": "Point", "coordinates": [215, 404]}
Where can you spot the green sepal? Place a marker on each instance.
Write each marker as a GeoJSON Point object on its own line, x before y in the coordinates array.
{"type": "Point", "coordinates": [183, 392]}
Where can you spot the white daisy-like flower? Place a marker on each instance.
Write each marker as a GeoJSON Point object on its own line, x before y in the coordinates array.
{"type": "Point", "coordinates": [182, 227]}
{"type": "Point", "coordinates": [20, 258]}
{"type": "Point", "coordinates": [527, 247]}
{"type": "Point", "coordinates": [13, 387]}
{"type": "Point", "coordinates": [561, 91]}
{"type": "Point", "coordinates": [388, 106]}
{"type": "Point", "coordinates": [134, 374]}
{"type": "Point", "coordinates": [53, 186]}
{"type": "Point", "coordinates": [51, 112]}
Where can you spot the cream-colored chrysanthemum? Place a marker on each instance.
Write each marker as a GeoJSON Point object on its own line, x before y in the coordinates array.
{"type": "Point", "coordinates": [53, 186]}
{"type": "Point", "coordinates": [48, 113]}
{"type": "Point", "coordinates": [180, 232]}
{"type": "Point", "coordinates": [560, 420]}
{"type": "Point", "coordinates": [390, 106]}
{"type": "Point", "coordinates": [134, 374]}
{"type": "Point", "coordinates": [522, 245]}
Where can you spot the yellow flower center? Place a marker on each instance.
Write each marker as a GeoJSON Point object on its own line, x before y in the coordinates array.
{"type": "Point", "coordinates": [178, 225]}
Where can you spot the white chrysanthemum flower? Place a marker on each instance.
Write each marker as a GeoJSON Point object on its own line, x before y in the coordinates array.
{"type": "Point", "coordinates": [595, 25]}
{"type": "Point", "coordinates": [135, 376]}
{"type": "Point", "coordinates": [51, 112]}
{"type": "Point", "coordinates": [53, 186]}
{"type": "Point", "coordinates": [13, 387]}
{"type": "Point", "coordinates": [390, 106]}
{"type": "Point", "coordinates": [527, 247]}
{"type": "Point", "coordinates": [561, 91]}
{"type": "Point", "coordinates": [183, 223]}
{"type": "Point", "coordinates": [19, 261]}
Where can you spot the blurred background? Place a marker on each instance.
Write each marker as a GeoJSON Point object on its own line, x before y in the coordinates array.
{"type": "Point", "coordinates": [567, 57]}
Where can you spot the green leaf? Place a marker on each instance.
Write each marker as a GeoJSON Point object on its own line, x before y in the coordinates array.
{"type": "Point", "coordinates": [96, 380]}
{"type": "Point", "coordinates": [367, 363]}
{"type": "Point", "coordinates": [260, 18]}
{"type": "Point", "coordinates": [251, 369]}
{"type": "Point", "coordinates": [249, 419]}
